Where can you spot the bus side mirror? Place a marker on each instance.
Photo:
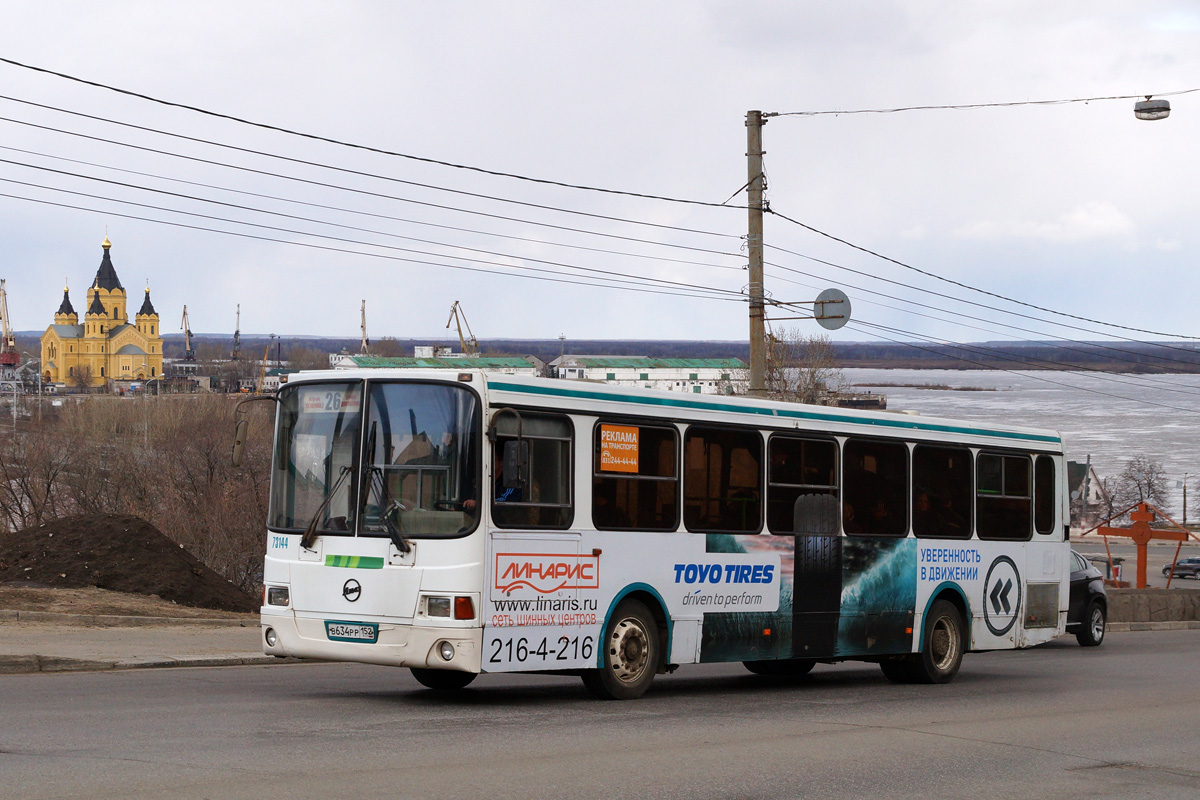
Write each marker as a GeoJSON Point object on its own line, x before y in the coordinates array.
{"type": "Point", "coordinates": [516, 464]}
{"type": "Point", "coordinates": [239, 441]}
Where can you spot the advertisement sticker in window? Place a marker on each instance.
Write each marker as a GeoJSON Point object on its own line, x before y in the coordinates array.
{"type": "Point", "coordinates": [618, 448]}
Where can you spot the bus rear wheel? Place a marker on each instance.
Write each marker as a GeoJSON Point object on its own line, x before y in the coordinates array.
{"type": "Point", "coordinates": [630, 655]}
{"type": "Point", "coordinates": [442, 680]}
{"type": "Point", "coordinates": [939, 660]}
{"type": "Point", "coordinates": [784, 667]}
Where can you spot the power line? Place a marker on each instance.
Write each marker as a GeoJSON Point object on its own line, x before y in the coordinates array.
{"type": "Point", "coordinates": [356, 146]}
{"type": "Point", "coordinates": [1142, 378]}
{"type": "Point", "coordinates": [611, 284]}
{"type": "Point", "coordinates": [1018, 359]}
{"type": "Point", "coordinates": [252, 209]}
{"type": "Point", "coordinates": [860, 325]}
{"type": "Point", "coordinates": [880, 278]}
{"type": "Point", "coordinates": [973, 288]}
{"type": "Point", "coordinates": [359, 173]}
{"type": "Point", "coordinates": [375, 215]}
{"type": "Point", "coordinates": [368, 193]}
{"type": "Point", "coordinates": [972, 106]}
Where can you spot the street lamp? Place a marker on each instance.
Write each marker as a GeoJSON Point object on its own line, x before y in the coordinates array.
{"type": "Point", "coordinates": [1151, 109]}
{"type": "Point", "coordinates": [1183, 483]}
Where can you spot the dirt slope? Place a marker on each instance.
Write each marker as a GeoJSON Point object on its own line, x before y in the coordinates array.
{"type": "Point", "coordinates": [118, 553]}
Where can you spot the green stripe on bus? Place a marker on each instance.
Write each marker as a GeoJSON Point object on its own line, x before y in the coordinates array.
{"type": "Point", "coordinates": [354, 562]}
{"type": "Point", "coordinates": [787, 413]}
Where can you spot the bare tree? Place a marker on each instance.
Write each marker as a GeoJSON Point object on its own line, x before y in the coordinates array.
{"type": "Point", "coordinates": [1141, 480]}
{"type": "Point", "coordinates": [307, 358]}
{"type": "Point", "coordinates": [388, 346]}
{"type": "Point", "coordinates": [166, 460]}
{"type": "Point", "coordinates": [81, 378]}
{"type": "Point", "coordinates": [803, 368]}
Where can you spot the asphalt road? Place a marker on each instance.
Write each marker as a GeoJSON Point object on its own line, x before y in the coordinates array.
{"type": "Point", "coordinates": [1157, 555]}
{"type": "Point", "coordinates": [1058, 722]}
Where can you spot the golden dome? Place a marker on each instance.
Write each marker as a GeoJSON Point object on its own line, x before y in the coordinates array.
{"type": "Point", "coordinates": [106, 243]}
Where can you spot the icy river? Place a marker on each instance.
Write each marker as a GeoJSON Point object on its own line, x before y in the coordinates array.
{"type": "Point", "coordinates": [1111, 417]}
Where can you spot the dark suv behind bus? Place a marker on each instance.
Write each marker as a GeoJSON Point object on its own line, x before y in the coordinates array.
{"type": "Point", "coordinates": [1184, 568]}
{"type": "Point", "coordinates": [1087, 615]}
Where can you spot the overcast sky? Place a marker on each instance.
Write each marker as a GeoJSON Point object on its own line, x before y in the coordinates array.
{"type": "Point", "coordinates": [1079, 208]}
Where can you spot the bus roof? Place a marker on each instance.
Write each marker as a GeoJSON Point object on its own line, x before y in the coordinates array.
{"type": "Point", "coordinates": [577, 395]}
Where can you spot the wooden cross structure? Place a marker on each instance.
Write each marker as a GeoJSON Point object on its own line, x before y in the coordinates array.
{"type": "Point", "coordinates": [1141, 533]}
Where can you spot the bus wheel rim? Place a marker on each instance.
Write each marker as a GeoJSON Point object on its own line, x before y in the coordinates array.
{"type": "Point", "coordinates": [628, 650]}
{"type": "Point", "coordinates": [943, 643]}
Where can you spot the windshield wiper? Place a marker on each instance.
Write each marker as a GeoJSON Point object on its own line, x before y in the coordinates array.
{"type": "Point", "coordinates": [389, 527]}
{"type": "Point", "coordinates": [310, 533]}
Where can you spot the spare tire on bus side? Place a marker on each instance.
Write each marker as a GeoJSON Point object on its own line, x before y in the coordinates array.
{"type": "Point", "coordinates": [630, 653]}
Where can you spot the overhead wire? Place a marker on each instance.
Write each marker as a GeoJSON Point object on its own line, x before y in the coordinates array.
{"type": "Point", "coordinates": [1022, 360]}
{"type": "Point", "coordinates": [353, 145]}
{"type": "Point", "coordinates": [962, 285]}
{"type": "Point", "coordinates": [678, 284]}
{"type": "Point", "coordinates": [1022, 373]}
{"type": "Point", "coordinates": [1191, 362]}
{"type": "Point", "coordinates": [1141, 378]}
{"type": "Point", "coordinates": [613, 276]}
{"type": "Point", "coordinates": [973, 106]}
{"type": "Point", "coordinates": [556, 183]}
{"type": "Point", "coordinates": [360, 173]}
{"type": "Point", "coordinates": [377, 215]}
{"type": "Point", "coordinates": [328, 248]}
{"type": "Point", "coordinates": [366, 192]}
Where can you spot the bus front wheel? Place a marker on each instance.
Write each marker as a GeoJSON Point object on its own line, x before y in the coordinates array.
{"type": "Point", "coordinates": [630, 655]}
{"type": "Point", "coordinates": [442, 680]}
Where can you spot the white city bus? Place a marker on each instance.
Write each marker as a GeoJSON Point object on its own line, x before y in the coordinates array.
{"type": "Point", "coordinates": [459, 523]}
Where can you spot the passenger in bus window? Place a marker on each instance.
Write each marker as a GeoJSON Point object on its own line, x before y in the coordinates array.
{"type": "Point", "coordinates": [924, 518]}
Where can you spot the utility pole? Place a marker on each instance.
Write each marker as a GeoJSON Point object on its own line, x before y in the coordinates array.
{"type": "Point", "coordinates": [754, 244]}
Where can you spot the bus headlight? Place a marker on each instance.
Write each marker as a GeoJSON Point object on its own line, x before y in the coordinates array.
{"type": "Point", "coordinates": [271, 637]}
{"type": "Point", "coordinates": [446, 651]}
{"type": "Point", "coordinates": [277, 595]}
{"type": "Point", "coordinates": [437, 606]}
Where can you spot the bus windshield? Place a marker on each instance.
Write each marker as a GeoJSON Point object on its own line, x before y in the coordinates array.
{"type": "Point", "coordinates": [416, 474]}
{"type": "Point", "coordinates": [422, 460]}
{"type": "Point", "coordinates": [316, 450]}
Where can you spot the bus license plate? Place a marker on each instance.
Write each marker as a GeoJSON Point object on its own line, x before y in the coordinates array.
{"type": "Point", "coordinates": [352, 631]}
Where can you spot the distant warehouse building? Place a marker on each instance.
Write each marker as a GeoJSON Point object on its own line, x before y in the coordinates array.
{"type": "Point", "coordinates": [694, 375]}
{"type": "Point", "coordinates": [506, 365]}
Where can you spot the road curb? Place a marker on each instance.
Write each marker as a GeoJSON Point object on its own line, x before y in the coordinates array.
{"type": "Point", "coordinates": [14, 665]}
{"type": "Point", "coordinates": [1127, 627]}
{"type": "Point", "coordinates": [120, 620]}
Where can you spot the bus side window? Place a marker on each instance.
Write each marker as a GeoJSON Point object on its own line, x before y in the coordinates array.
{"type": "Point", "coordinates": [543, 500]}
{"type": "Point", "coordinates": [1002, 497]}
{"type": "Point", "coordinates": [635, 479]}
{"type": "Point", "coordinates": [1043, 495]}
{"type": "Point", "coordinates": [941, 492]}
{"type": "Point", "coordinates": [802, 486]}
{"type": "Point", "coordinates": [876, 488]}
{"type": "Point", "coordinates": [722, 480]}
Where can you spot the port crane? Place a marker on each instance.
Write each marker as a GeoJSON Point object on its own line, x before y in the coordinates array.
{"type": "Point", "coordinates": [189, 353]}
{"type": "Point", "coordinates": [366, 343]}
{"type": "Point", "coordinates": [237, 337]}
{"type": "Point", "coordinates": [468, 343]}
{"type": "Point", "coordinates": [262, 373]}
{"type": "Point", "coordinates": [9, 356]}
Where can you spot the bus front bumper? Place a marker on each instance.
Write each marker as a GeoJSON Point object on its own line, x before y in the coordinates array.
{"type": "Point", "coordinates": [398, 644]}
